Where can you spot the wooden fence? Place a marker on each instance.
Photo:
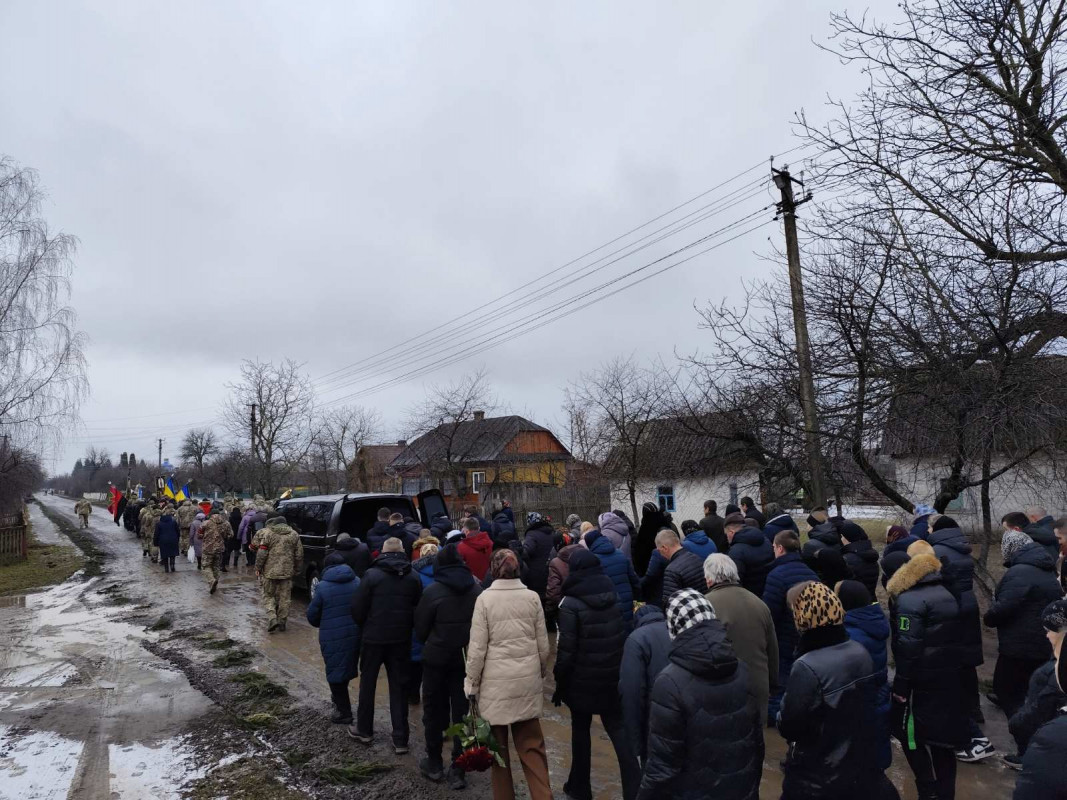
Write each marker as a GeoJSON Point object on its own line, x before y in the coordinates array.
{"type": "Point", "coordinates": [13, 538]}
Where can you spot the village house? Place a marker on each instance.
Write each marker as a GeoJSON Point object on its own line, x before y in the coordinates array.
{"type": "Point", "coordinates": [483, 460]}
{"type": "Point", "coordinates": [370, 471]}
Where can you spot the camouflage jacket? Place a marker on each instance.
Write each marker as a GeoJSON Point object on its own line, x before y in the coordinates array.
{"type": "Point", "coordinates": [280, 554]}
{"type": "Point", "coordinates": [149, 520]}
{"type": "Point", "coordinates": [215, 533]}
{"type": "Point", "coordinates": [83, 506]}
{"type": "Point", "coordinates": [186, 514]}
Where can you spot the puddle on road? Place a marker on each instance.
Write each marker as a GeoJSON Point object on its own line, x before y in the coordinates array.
{"type": "Point", "coordinates": [85, 708]}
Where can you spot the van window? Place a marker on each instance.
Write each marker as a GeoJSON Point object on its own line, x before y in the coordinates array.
{"type": "Point", "coordinates": [316, 518]}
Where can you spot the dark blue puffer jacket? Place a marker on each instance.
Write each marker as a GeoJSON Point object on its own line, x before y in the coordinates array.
{"type": "Point", "coordinates": [753, 555]}
{"type": "Point", "coordinates": [503, 531]}
{"type": "Point", "coordinates": [920, 528]}
{"type": "Point", "coordinates": [699, 544]}
{"type": "Point", "coordinates": [424, 568]}
{"type": "Point", "coordinates": [331, 612]}
{"type": "Point", "coordinates": [1027, 587]}
{"type": "Point", "coordinates": [652, 580]}
{"type": "Point", "coordinates": [643, 658]}
{"type": "Point", "coordinates": [869, 627]}
{"type": "Point", "coordinates": [957, 568]}
{"type": "Point", "coordinates": [617, 567]}
{"type": "Point", "coordinates": [774, 526]}
{"type": "Point", "coordinates": [785, 573]}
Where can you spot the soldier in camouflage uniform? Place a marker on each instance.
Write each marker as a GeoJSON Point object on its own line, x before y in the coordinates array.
{"type": "Point", "coordinates": [214, 533]}
{"type": "Point", "coordinates": [142, 525]}
{"type": "Point", "coordinates": [83, 508]}
{"type": "Point", "coordinates": [279, 558]}
{"type": "Point", "coordinates": [148, 529]}
{"type": "Point", "coordinates": [186, 514]}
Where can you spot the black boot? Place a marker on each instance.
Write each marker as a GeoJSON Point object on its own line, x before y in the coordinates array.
{"type": "Point", "coordinates": [457, 778]}
{"type": "Point", "coordinates": [431, 769]}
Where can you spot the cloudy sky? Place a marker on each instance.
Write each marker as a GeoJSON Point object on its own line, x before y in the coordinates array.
{"type": "Point", "coordinates": [326, 180]}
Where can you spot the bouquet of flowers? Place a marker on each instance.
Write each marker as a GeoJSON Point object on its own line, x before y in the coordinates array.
{"type": "Point", "coordinates": [480, 748]}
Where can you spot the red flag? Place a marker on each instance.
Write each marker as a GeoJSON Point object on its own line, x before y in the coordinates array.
{"type": "Point", "coordinates": [113, 501]}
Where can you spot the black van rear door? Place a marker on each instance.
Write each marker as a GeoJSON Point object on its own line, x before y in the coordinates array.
{"type": "Point", "coordinates": [431, 504]}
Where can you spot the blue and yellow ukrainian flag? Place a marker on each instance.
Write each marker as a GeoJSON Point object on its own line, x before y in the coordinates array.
{"type": "Point", "coordinates": [168, 489]}
{"type": "Point", "coordinates": [182, 493]}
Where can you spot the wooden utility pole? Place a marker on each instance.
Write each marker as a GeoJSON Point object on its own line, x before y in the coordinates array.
{"type": "Point", "coordinates": [161, 454]}
{"type": "Point", "coordinates": [788, 208]}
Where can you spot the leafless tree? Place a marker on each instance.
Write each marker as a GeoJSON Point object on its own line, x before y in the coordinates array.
{"type": "Point", "coordinates": [440, 423]}
{"type": "Point", "coordinates": [285, 406]}
{"type": "Point", "coordinates": [339, 434]}
{"type": "Point", "coordinates": [42, 366]}
{"type": "Point", "coordinates": [231, 470]}
{"type": "Point", "coordinates": [616, 404]}
{"type": "Point", "coordinates": [199, 445]}
{"type": "Point", "coordinates": [22, 474]}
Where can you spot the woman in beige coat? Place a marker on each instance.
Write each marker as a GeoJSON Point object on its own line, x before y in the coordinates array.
{"type": "Point", "coordinates": [506, 664]}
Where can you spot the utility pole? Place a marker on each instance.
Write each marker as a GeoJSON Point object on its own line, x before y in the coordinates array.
{"type": "Point", "coordinates": [161, 454]}
{"type": "Point", "coordinates": [252, 436]}
{"type": "Point", "coordinates": [788, 209]}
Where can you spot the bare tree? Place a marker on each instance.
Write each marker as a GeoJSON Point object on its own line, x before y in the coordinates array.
{"type": "Point", "coordinates": [42, 366]}
{"type": "Point", "coordinates": [440, 424]}
{"type": "Point", "coordinates": [616, 404]}
{"type": "Point", "coordinates": [285, 405]}
{"type": "Point", "coordinates": [339, 434]}
{"type": "Point", "coordinates": [231, 470]}
{"type": "Point", "coordinates": [199, 445]}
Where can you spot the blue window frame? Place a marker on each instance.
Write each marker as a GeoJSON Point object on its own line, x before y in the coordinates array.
{"type": "Point", "coordinates": [665, 496]}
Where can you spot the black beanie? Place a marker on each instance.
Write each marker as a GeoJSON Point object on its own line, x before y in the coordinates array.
{"type": "Point", "coordinates": [853, 594]}
{"type": "Point", "coordinates": [852, 532]}
{"type": "Point", "coordinates": [945, 522]}
{"type": "Point", "coordinates": [731, 509]}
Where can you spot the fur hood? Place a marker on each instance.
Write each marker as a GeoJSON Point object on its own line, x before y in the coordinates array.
{"type": "Point", "coordinates": [913, 571]}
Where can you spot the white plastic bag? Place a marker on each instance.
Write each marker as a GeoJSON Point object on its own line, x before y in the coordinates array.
{"type": "Point", "coordinates": [192, 555]}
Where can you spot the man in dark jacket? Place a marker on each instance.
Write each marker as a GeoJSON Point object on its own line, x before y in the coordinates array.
{"type": "Point", "coordinates": [538, 548]}
{"type": "Point", "coordinates": [704, 735]}
{"type": "Point", "coordinates": [828, 710]}
{"type": "Point", "coordinates": [380, 531]}
{"type": "Point", "coordinates": [503, 531]}
{"type": "Point", "coordinates": [643, 658]}
{"type": "Point", "coordinates": [954, 552]}
{"type": "Point", "coordinates": [472, 512]}
{"type": "Point", "coordinates": [443, 625]}
{"type": "Point", "coordinates": [777, 524]}
{"type": "Point", "coordinates": [1044, 699]}
{"type": "Point", "coordinates": [786, 572]}
{"type": "Point", "coordinates": [928, 713]}
{"type": "Point", "coordinates": [859, 555]}
{"type": "Point", "coordinates": [588, 655]}
{"type": "Point", "coordinates": [1021, 596]}
{"type": "Point", "coordinates": [684, 569]}
{"type": "Point", "coordinates": [749, 510]}
{"type": "Point", "coordinates": [711, 524]}
{"type": "Point", "coordinates": [1041, 527]}
{"type": "Point", "coordinates": [397, 529]}
{"type": "Point", "coordinates": [354, 553]}
{"type": "Point", "coordinates": [750, 551]}
{"type": "Point", "coordinates": [1044, 768]}
{"type": "Point", "coordinates": [617, 567]}
{"type": "Point", "coordinates": [384, 608]}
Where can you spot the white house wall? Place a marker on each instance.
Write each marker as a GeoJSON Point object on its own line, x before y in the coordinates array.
{"type": "Point", "coordinates": [689, 495]}
{"type": "Point", "coordinates": [1041, 482]}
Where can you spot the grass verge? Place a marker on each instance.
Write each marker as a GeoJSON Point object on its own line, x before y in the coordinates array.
{"type": "Point", "coordinates": [233, 658]}
{"type": "Point", "coordinates": [94, 556]}
{"type": "Point", "coordinates": [245, 779]}
{"type": "Point", "coordinates": [257, 685]}
{"type": "Point", "coordinates": [353, 772]}
{"type": "Point", "coordinates": [45, 565]}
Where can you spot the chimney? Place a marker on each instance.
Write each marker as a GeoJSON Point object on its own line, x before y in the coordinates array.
{"type": "Point", "coordinates": [402, 443]}
{"type": "Point", "coordinates": [479, 416]}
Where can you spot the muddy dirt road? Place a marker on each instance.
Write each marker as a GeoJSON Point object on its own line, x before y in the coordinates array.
{"type": "Point", "coordinates": [167, 700]}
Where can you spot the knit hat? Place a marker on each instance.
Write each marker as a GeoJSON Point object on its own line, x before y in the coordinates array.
{"type": "Point", "coordinates": [923, 510]}
{"type": "Point", "coordinates": [817, 607]}
{"type": "Point", "coordinates": [333, 560]}
{"type": "Point", "coordinates": [454, 536]}
{"type": "Point", "coordinates": [584, 561]}
{"type": "Point", "coordinates": [572, 520]}
{"type": "Point", "coordinates": [736, 518]}
{"type": "Point", "coordinates": [1011, 543]}
{"type": "Point", "coordinates": [852, 594]}
{"type": "Point", "coordinates": [532, 518]}
{"type": "Point", "coordinates": [895, 533]}
{"type": "Point", "coordinates": [685, 609]}
{"type": "Point", "coordinates": [851, 531]}
{"type": "Point", "coordinates": [272, 521]}
{"type": "Point", "coordinates": [1054, 617]}
{"type": "Point", "coordinates": [945, 522]}
{"type": "Point", "coordinates": [688, 526]}
{"type": "Point", "coordinates": [731, 509]}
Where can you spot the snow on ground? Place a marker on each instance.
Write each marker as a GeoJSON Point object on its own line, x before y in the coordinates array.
{"type": "Point", "coordinates": [158, 770]}
{"type": "Point", "coordinates": [36, 765]}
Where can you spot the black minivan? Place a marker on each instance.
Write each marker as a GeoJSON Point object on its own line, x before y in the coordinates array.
{"type": "Point", "coordinates": [322, 518]}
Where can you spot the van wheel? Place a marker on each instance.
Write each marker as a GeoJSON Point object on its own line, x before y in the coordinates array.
{"type": "Point", "coordinates": [313, 581]}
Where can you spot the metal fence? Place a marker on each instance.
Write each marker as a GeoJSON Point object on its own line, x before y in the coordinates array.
{"type": "Point", "coordinates": [13, 538]}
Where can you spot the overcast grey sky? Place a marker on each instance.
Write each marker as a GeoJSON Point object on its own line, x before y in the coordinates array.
{"type": "Point", "coordinates": [324, 180]}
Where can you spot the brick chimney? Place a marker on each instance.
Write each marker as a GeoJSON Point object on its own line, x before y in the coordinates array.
{"type": "Point", "coordinates": [479, 416]}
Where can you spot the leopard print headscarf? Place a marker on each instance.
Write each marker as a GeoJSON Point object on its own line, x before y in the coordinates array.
{"type": "Point", "coordinates": [817, 607]}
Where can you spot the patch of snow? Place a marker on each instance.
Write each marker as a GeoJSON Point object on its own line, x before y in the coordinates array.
{"type": "Point", "coordinates": [157, 771]}
{"type": "Point", "coordinates": [36, 765]}
{"type": "Point", "coordinates": [52, 672]}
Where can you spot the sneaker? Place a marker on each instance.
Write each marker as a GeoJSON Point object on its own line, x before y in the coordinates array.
{"type": "Point", "coordinates": [1015, 762]}
{"type": "Point", "coordinates": [337, 718]}
{"type": "Point", "coordinates": [362, 738]}
{"type": "Point", "coordinates": [457, 778]}
{"type": "Point", "coordinates": [430, 770]}
{"type": "Point", "coordinates": [978, 749]}
{"type": "Point", "coordinates": [214, 586]}
{"type": "Point", "coordinates": [400, 749]}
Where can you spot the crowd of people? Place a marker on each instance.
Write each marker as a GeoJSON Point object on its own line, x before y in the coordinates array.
{"type": "Point", "coordinates": [687, 642]}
